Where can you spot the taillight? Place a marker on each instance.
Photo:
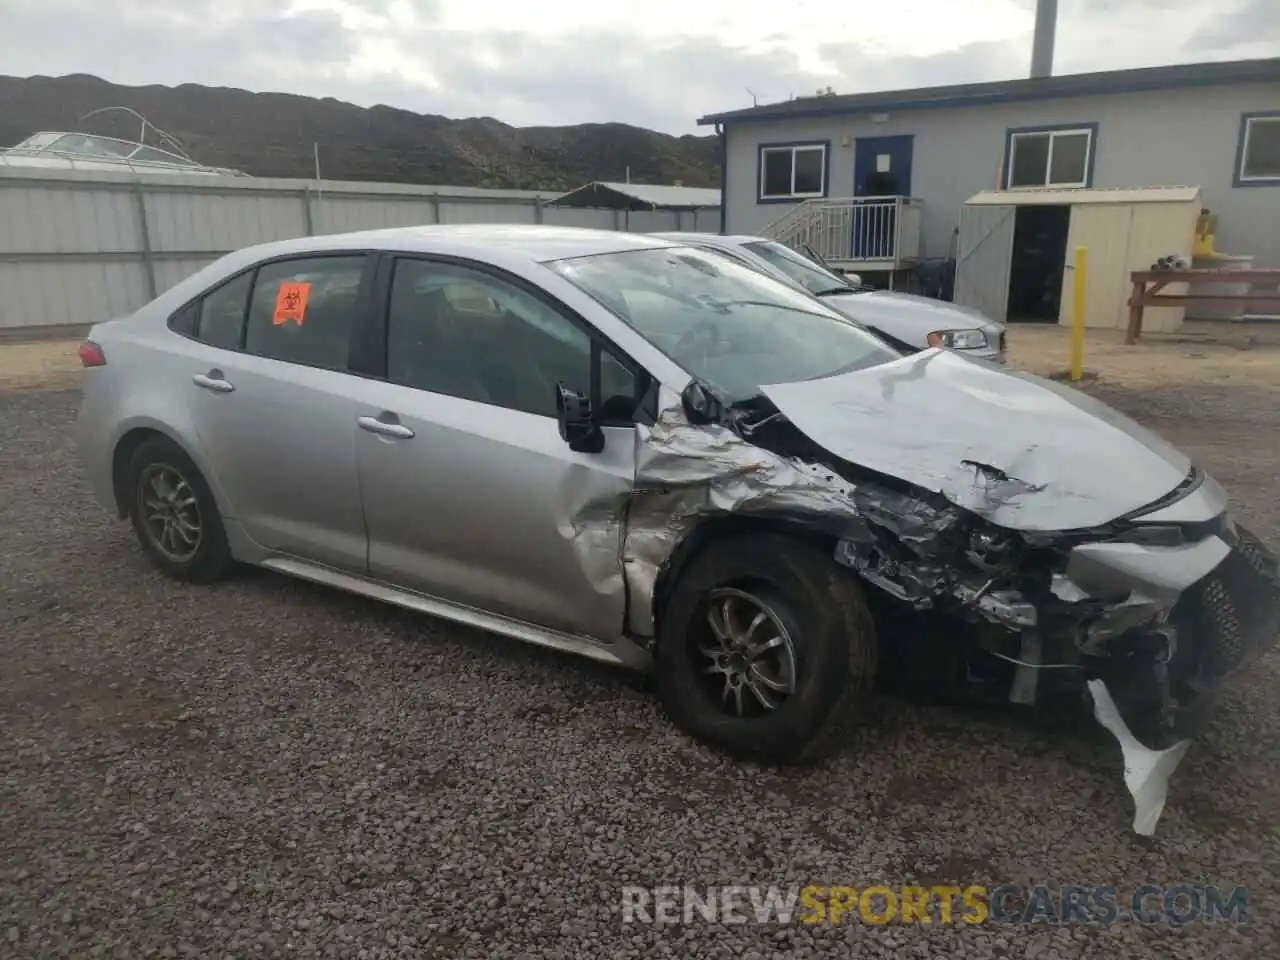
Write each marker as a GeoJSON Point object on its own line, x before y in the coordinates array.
{"type": "Point", "coordinates": [91, 355]}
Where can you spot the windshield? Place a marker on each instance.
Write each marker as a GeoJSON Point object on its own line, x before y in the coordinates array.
{"type": "Point", "coordinates": [154, 155]}
{"type": "Point", "coordinates": [811, 276]}
{"type": "Point", "coordinates": [723, 323]}
{"type": "Point", "coordinates": [85, 145]}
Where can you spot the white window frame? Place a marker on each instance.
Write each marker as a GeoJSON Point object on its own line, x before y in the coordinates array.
{"type": "Point", "coordinates": [793, 149]}
{"type": "Point", "coordinates": [1249, 121]}
{"type": "Point", "coordinates": [1048, 162]}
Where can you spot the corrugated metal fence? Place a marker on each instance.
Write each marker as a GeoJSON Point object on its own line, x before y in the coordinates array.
{"type": "Point", "coordinates": [81, 247]}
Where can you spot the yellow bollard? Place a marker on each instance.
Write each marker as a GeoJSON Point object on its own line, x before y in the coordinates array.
{"type": "Point", "coordinates": [1077, 313]}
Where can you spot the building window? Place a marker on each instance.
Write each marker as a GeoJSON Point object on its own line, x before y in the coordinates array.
{"type": "Point", "coordinates": [1259, 160]}
{"type": "Point", "coordinates": [793, 171]}
{"type": "Point", "coordinates": [1050, 158]}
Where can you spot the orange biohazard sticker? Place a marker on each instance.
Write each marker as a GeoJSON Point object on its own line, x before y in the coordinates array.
{"type": "Point", "coordinates": [291, 303]}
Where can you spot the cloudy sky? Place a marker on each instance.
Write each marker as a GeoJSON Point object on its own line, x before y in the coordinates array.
{"type": "Point", "coordinates": [654, 63]}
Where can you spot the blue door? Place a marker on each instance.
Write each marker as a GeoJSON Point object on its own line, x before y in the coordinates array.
{"type": "Point", "coordinates": [881, 168]}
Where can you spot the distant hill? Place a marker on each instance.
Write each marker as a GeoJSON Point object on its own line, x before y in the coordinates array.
{"type": "Point", "coordinates": [271, 135]}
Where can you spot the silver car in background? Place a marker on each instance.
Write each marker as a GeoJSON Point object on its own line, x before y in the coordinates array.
{"type": "Point", "coordinates": [653, 456]}
{"type": "Point", "coordinates": [909, 321]}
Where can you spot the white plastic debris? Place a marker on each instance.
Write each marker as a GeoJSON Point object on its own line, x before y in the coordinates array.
{"type": "Point", "coordinates": [1146, 771]}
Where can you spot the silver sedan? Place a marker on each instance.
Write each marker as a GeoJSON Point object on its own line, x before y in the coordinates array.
{"type": "Point", "coordinates": [645, 453]}
{"type": "Point", "coordinates": [909, 321]}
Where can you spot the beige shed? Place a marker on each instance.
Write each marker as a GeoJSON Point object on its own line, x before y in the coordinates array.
{"type": "Point", "coordinates": [1016, 251]}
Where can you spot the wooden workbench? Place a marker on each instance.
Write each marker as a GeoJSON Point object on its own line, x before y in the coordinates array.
{"type": "Point", "coordinates": [1147, 285]}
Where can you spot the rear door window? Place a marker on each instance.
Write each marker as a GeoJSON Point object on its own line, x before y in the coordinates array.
{"type": "Point", "coordinates": [302, 311]}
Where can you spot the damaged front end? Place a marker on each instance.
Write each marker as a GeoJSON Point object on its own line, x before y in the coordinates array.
{"type": "Point", "coordinates": [1145, 613]}
{"type": "Point", "coordinates": [1146, 617]}
{"type": "Point", "coordinates": [1160, 612]}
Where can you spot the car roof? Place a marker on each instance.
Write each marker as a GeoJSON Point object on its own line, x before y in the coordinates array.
{"type": "Point", "coordinates": [534, 242]}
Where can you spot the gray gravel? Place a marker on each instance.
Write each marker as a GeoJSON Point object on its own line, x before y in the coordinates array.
{"type": "Point", "coordinates": [265, 768]}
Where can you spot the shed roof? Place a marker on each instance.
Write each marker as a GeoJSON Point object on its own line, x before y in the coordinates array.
{"type": "Point", "coordinates": [1026, 88]}
{"type": "Point", "coordinates": [641, 196]}
{"type": "Point", "coordinates": [1048, 195]}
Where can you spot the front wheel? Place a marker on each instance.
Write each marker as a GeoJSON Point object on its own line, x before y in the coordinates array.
{"type": "Point", "coordinates": [767, 649]}
{"type": "Point", "coordinates": [174, 514]}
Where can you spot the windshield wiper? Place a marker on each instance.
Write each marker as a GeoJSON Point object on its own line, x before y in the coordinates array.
{"type": "Point", "coordinates": [835, 291]}
{"type": "Point", "coordinates": [714, 304]}
{"type": "Point", "coordinates": [859, 364]}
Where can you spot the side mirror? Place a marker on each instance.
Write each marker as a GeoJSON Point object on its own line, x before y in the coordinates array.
{"type": "Point", "coordinates": [577, 424]}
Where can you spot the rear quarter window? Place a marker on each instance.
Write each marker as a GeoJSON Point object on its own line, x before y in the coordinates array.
{"type": "Point", "coordinates": [221, 319]}
{"type": "Point", "coordinates": [184, 321]}
{"type": "Point", "coordinates": [217, 318]}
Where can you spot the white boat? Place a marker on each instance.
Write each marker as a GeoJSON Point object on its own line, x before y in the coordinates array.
{"type": "Point", "coordinates": [85, 151]}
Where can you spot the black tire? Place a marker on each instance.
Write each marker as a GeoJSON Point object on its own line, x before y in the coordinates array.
{"type": "Point", "coordinates": [211, 558]}
{"type": "Point", "coordinates": [832, 634]}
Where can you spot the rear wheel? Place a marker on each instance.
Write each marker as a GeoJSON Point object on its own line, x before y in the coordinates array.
{"type": "Point", "coordinates": [174, 514]}
{"type": "Point", "coordinates": [767, 649]}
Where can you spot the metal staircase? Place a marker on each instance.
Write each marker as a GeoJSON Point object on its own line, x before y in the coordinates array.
{"type": "Point", "coordinates": [855, 233]}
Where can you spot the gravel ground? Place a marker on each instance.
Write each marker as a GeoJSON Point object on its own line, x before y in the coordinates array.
{"type": "Point", "coordinates": [267, 768]}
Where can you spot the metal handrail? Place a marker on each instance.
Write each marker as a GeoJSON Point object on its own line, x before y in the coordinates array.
{"type": "Point", "coordinates": [868, 230]}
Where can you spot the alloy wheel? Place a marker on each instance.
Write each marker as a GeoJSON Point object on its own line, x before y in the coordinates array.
{"type": "Point", "coordinates": [745, 656]}
{"type": "Point", "coordinates": [170, 512]}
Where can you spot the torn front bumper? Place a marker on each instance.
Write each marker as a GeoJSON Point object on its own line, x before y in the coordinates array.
{"type": "Point", "coordinates": [1164, 626]}
{"type": "Point", "coordinates": [1160, 613]}
{"type": "Point", "coordinates": [1146, 771]}
{"type": "Point", "coordinates": [1217, 627]}
{"type": "Point", "coordinates": [1149, 620]}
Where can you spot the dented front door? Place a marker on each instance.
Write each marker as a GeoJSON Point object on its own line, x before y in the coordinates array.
{"type": "Point", "coordinates": [488, 507]}
{"type": "Point", "coordinates": [470, 494]}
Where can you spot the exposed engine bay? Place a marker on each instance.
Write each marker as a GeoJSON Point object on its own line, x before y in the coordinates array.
{"type": "Point", "coordinates": [1143, 613]}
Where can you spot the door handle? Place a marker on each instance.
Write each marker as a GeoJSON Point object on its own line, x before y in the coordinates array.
{"type": "Point", "coordinates": [213, 381]}
{"type": "Point", "coordinates": [381, 427]}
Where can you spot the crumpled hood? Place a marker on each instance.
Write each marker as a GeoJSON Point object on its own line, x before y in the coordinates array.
{"type": "Point", "coordinates": [1071, 461]}
{"type": "Point", "coordinates": [908, 317]}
